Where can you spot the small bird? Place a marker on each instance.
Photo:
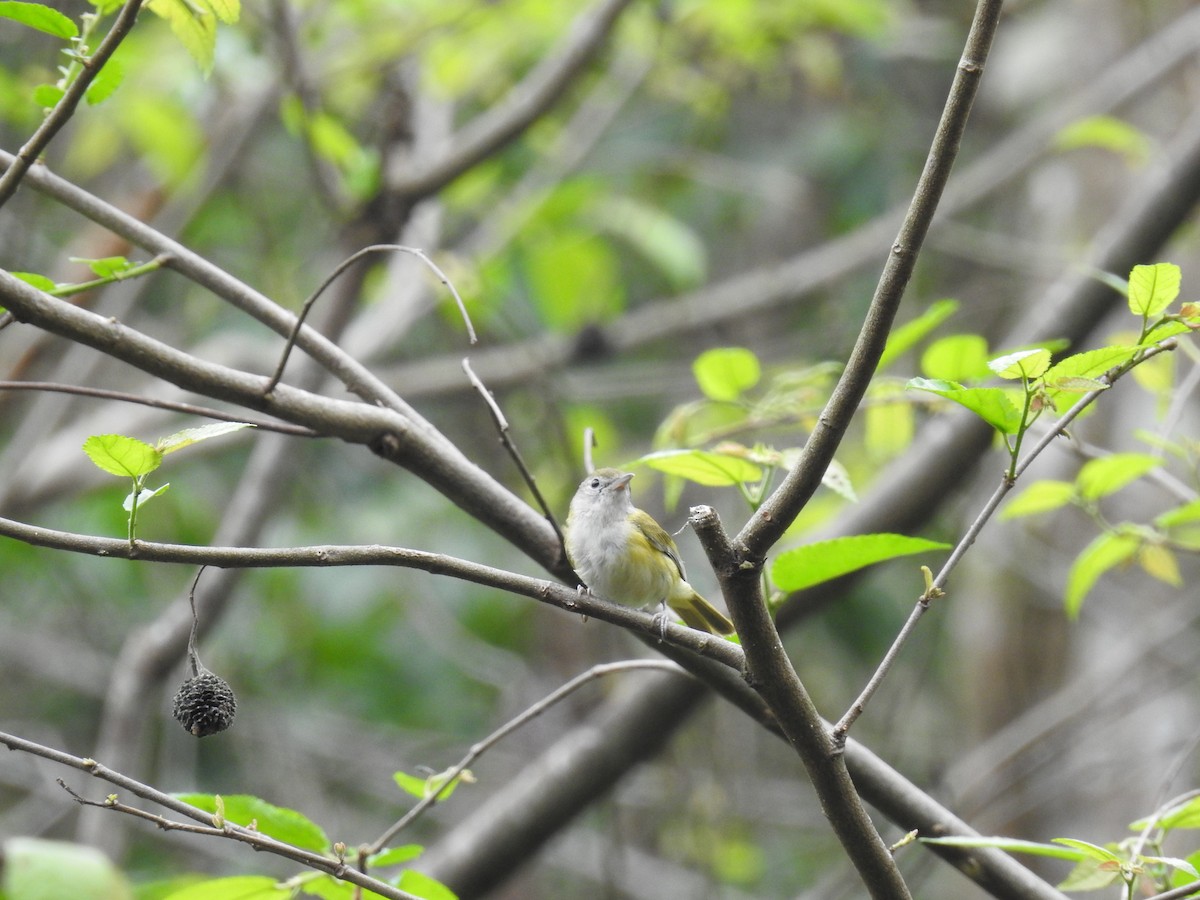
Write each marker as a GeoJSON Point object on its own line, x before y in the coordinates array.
{"type": "Point", "coordinates": [623, 555]}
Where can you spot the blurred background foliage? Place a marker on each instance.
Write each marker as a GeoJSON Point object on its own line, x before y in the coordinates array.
{"type": "Point", "coordinates": [712, 140]}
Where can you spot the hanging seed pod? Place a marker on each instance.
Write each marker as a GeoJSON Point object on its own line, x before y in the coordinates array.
{"type": "Point", "coordinates": [205, 704]}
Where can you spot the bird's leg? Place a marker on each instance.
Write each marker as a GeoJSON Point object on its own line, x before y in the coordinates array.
{"type": "Point", "coordinates": [661, 618]}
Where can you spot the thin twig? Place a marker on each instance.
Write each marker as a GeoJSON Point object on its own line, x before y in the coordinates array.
{"type": "Point", "coordinates": [481, 747]}
{"type": "Point", "coordinates": [342, 267]}
{"type": "Point", "coordinates": [65, 107]}
{"type": "Point", "coordinates": [242, 833]}
{"type": "Point", "coordinates": [193, 657]}
{"type": "Point", "coordinates": [169, 405]}
{"type": "Point", "coordinates": [502, 429]}
{"type": "Point", "coordinates": [938, 584]}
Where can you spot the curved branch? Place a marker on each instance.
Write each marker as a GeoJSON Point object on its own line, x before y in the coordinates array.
{"type": "Point", "coordinates": [524, 105]}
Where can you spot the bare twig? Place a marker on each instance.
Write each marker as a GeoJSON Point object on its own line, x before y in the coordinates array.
{"type": "Point", "coordinates": [65, 108]}
{"type": "Point", "coordinates": [169, 405]}
{"type": "Point", "coordinates": [478, 749]}
{"type": "Point", "coordinates": [244, 834]}
{"type": "Point", "coordinates": [502, 429]}
{"type": "Point", "coordinates": [345, 264]}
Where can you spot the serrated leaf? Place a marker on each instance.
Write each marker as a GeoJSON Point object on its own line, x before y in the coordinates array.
{"type": "Point", "coordinates": [704, 467]}
{"type": "Point", "coordinates": [990, 404]}
{"type": "Point", "coordinates": [394, 856]}
{"type": "Point", "coordinates": [725, 373]}
{"type": "Point", "coordinates": [1162, 331]}
{"type": "Point", "coordinates": [121, 455]}
{"type": "Point", "coordinates": [424, 886]}
{"type": "Point", "coordinates": [193, 24]}
{"type": "Point", "coordinates": [1076, 384]}
{"type": "Point", "coordinates": [1159, 562]}
{"type": "Point", "coordinates": [189, 436]}
{"type": "Point", "coordinates": [1039, 497]}
{"type": "Point", "coordinates": [1009, 845]}
{"type": "Point", "coordinates": [1101, 477]}
{"type": "Point", "coordinates": [146, 495]}
{"type": "Point", "coordinates": [238, 887]}
{"type": "Point", "coordinates": [909, 334]}
{"type": "Point", "coordinates": [1105, 552]}
{"type": "Point", "coordinates": [1153, 288]}
{"type": "Point", "coordinates": [956, 357]}
{"type": "Point", "coordinates": [1021, 364]}
{"type": "Point", "coordinates": [1090, 363]}
{"type": "Point", "coordinates": [279, 822]}
{"type": "Point", "coordinates": [802, 567]}
{"type": "Point", "coordinates": [39, 17]}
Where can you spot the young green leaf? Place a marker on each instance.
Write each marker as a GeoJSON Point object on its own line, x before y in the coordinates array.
{"type": "Point", "coordinates": [1009, 845]}
{"type": "Point", "coordinates": [438, 784]}
{"type": "Point", "coordinates": [41, 282]}
{"type": "Point", "coordinates": [106, 267]}
{"type": "Point", "coordinates": [40, 868]}
{"type": "Point", "coordinates": [822, 561]}
{"type": "Point", "coordinates": [1101, 477]}
{"type": "Point", "coordinates": [145, 495]}
{"type": "Point", "coordinates": [1107, 551]}
{"type": "Point", "coordinates": [1185, 815]}
{"type": "Point", "coordinates": [1153, 288]}
{"type": "Point", "coordinates": [106, 82]}
{"type": "Point", "coordinates": [724, 373]}
{"type": "Point", "coordinates": [1180, 515]}
{"type": "Point", "coordinates": [237, 887]}
{"type": "Point", "coordinates": [47, 95]}
{"type": "Point", "coordinates": [1090, 875]}
{"type": "Point", "coordinates": [394, 856]}
{"type": "Point", "coordinates": [1039, 497]}
{"type": "Point", "coordinates": [1106, 133]}
{"type": "Point", "coordinates": [909, 334]}
{"type": "Point", "coordinates": [40, 17]}
{"type": "Point", "coordinates": [121, 455]}
{"type": "Point", "coordinates": [277, 821]}
{"type": "Point", "coordinates": [957, 357]}
{"type": "Point", "coordinates": [704, 467]}
{"type": "Point", "coordinates": [990, 404]}
{"type": "Point", "coordinates": [1089, 364]}
{"type": "Point", "coordinates": [1021, 364]}
{"type": "Point", "coordinates": [189, 436]}
{"type": "Point", "coordinates": [1094, 851]}
{"type": "Point", "coordinates": [424, 886]}
{"type": "Point", "coordinates": [1159, 562]}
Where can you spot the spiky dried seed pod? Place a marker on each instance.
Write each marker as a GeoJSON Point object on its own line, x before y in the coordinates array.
{"type": "Point", "coordinates": [205, 704]}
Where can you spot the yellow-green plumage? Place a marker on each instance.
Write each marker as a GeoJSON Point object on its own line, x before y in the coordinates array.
{"type": "Point", "coordinates": [623, 555]}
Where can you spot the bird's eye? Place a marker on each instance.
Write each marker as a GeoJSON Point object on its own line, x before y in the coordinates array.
{"type": "Point", "coordinates": [595, 483]}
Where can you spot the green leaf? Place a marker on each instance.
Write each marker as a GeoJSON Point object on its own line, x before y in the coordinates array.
{"type": "Point", "coordinates": [189, 436]}
{"type": "Point", "coordinates": [573, 279]}
{"type": "Point", "coordinates": [1039, 497]}
{"type": "Point", "coordinates": [239, 887]}
{"type": "Point", "coordinates": [1105, 552]}
{"type": "Point", "coordinates": [1089, 364]}
{"type": "Point", "coordinates": [43, 18]}
{"type": "Point", "coordinates": [193, 24]}
{"type": "Point", "coordinates": [38, 869]}
{"type": "Point", "coordinates": [1158, 561]}
{"type": "Point", "coordinates": [394, 856]}
{"type": "Point", "coordinates": [823, 561]}
{"type": "Point", "coordinates": [1180, 515]}
{"type": "Point", "coordinates": [106, 82]}
{"type": "Point", "coordinates": [904, 338]}
{"type": "Point", "coordinates": [1101, 477]}
{"type": "Point", "coordinates": [427, 786]}
{"type": "Point", "coordinates": [423, 886]}
{"type": "Point", "coordinates": [41, 282]}
{"type": "Point", "coordinates": [957, 357]}
{"type": "Point", "coordinates": [120, 455]}
{"type": "Point", "coordinates": [704, 467]}
{"type": "Point", "coordinates": [1153, 288]}
{"type": "Point", "coordinates": [1021, 364]}
{"type": "Point", "coordinates": [47, 95]}
{"type": "Point", "coordinates": [665, 241]}
{"type": "Point", "coordinates": [990, 404]}
{"type": "Point", "coordinates": [1009, 845]}
{"type": "Point", "coordinates": [724, 373]}
{"type": "Point", "coordinates": [1106, 133]}
{"type": "Point", "coordinates": [326, 887]}
{"type": "Point", "coordinates": [279, 822]}
{"type": "Point", "coordinates": [1090, 875]}
{"type": "Point", "coordinates": [1185, 815]}
{"type": "Point", "coordinates": [107, 267]}
{"type": "Point", "coordinates": [1092, 851]}
{"type": "Point", "coordinates": [145, 496]}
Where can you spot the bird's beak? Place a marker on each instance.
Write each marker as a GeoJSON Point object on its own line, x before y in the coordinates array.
{"type": "Point", "coordinates": [623, 482]}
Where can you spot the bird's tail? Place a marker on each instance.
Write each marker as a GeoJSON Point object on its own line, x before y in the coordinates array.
{"type": "Point", "coordinates": [698, 613]}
